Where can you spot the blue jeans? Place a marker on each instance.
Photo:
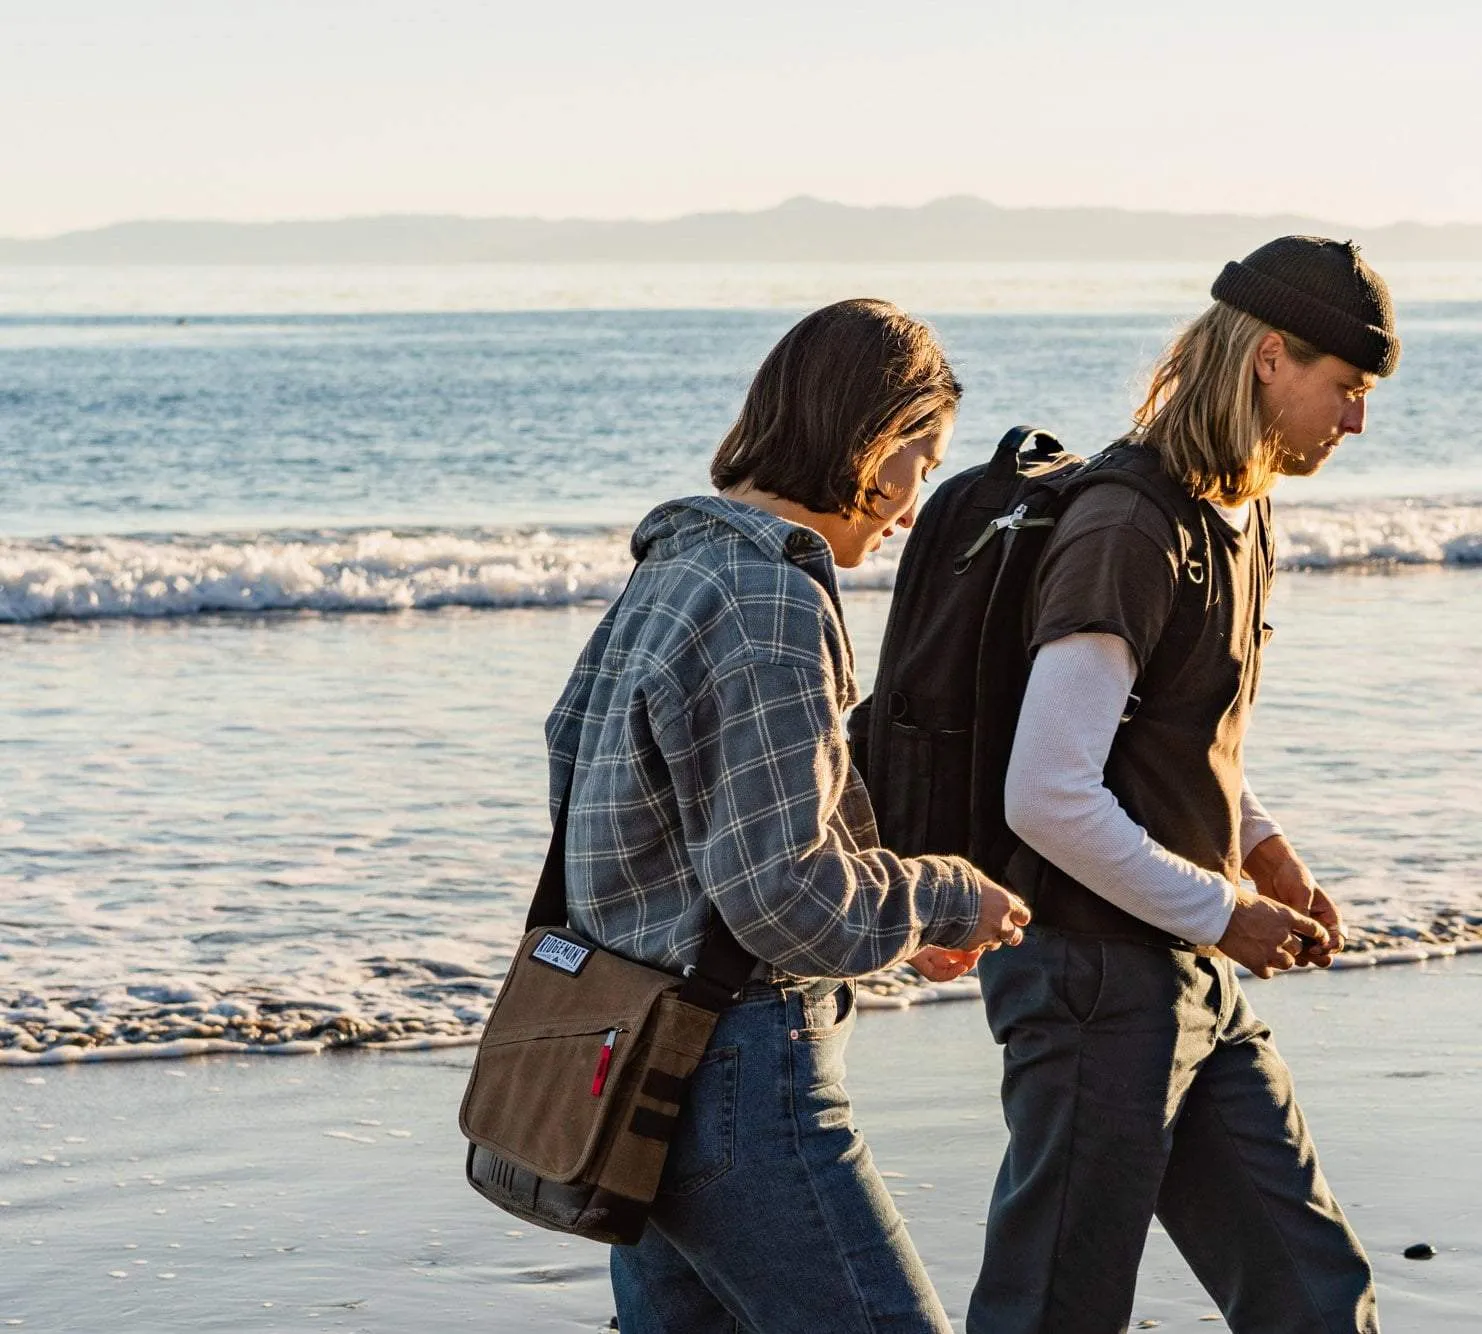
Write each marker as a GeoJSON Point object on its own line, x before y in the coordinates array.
{"type": "Point", "coordinates": [771, 1217]}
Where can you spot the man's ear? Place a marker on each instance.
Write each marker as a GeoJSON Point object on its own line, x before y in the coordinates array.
{"type": "Point", "coordinates": [1270, 352]}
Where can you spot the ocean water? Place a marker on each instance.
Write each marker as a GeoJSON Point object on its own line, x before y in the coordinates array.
{"type": "Point", "coordinates": [235, 807]}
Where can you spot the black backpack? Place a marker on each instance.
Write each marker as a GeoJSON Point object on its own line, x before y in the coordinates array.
{"type": "Point", "coordinates": [933, 739]}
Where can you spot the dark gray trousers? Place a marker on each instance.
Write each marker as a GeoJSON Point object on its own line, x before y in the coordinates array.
{"type": "Point", "coordinates": [1138, 1082]}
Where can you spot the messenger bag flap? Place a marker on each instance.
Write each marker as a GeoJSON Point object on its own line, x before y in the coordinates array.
{"type": "Point", "coordinates": [566, 1024]}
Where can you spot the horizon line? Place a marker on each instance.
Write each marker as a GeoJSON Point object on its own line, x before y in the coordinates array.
{"type": "Point", "coordinates": [788, 201]}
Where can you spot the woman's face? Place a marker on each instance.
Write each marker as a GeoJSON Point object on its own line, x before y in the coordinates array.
{"type": "Point", "coordinates": [901, 476]}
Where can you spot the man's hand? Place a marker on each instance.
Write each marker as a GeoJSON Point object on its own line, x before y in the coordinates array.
{"type": "Point", "coordinates": [1278, 873]}
{"type": "Point", "coordinates": [1264, 934]}
{"type": "Point", "coordinates": [938, 964]}
{"type": "Point", "coordinates": [1002, 917]}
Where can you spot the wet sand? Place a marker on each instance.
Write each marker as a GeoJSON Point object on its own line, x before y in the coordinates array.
{"type": "Point", "coordinates": [326, 1193]}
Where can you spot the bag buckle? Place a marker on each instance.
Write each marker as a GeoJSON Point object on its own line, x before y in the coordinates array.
{"type": "Point", "coordinates": [704, 991]}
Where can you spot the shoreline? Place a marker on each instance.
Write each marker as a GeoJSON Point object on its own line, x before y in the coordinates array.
{"type": "Point", "coordinates": [898, 989]}
{"type": "Point", "coordinates": [237, 1195]}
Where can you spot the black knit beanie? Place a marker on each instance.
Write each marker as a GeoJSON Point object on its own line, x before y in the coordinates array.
{"type": "Point", "coordinates": [1321, 291]}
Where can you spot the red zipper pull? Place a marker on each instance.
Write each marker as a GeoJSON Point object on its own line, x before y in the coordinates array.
{"type": "Point", "coordinates": [604, 1059]}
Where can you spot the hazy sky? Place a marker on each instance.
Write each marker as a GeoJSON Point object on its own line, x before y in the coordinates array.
{"type": "Point", "coordinates": [113, 109]}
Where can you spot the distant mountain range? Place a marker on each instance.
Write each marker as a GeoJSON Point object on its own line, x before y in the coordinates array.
{"type": "Point", "coordinates": [804, 229]}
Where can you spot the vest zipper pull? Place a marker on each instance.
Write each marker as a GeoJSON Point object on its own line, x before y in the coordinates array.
{"type": "Point", "coordinates": [604, 1060]}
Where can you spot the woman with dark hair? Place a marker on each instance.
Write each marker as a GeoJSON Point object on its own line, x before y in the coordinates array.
{"type": "Point", "coordinates": [704, 725]}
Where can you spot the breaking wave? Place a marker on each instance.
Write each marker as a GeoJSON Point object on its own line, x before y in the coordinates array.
{"type": "Point", "coordinates": [382, 570]}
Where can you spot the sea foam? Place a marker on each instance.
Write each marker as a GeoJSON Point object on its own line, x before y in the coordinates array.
{"type": "Point", "coordinates": [330, 571]}
{"type": "Point", "coordinates": [382, 570]}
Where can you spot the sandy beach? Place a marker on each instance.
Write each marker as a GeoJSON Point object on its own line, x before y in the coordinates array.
{"type": "Point", "coordinates": [325, 1192]}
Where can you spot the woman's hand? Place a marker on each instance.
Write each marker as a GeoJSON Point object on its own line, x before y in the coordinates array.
{"type": "Point", "coordinates": [1002, 917]}
{"type": "Point", "coordinates": [937, 964]}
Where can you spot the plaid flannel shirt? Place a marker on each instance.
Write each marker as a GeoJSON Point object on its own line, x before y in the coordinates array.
{"type": "Point", "coordinates": [705, 720]}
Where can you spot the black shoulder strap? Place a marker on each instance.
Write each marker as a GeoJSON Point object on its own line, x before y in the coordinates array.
{"type": "Point", "coordinates": [716, 976]}
{"type": "Point", "coordinates": [721, 970]}
{"type": "Point", "coordinates": [1143, 473]}
{"type": "Point", "coordinates": [548, 907]}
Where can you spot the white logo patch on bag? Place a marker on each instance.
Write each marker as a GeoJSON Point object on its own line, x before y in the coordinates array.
{"type": "Point", "coordinates": [561, 953]}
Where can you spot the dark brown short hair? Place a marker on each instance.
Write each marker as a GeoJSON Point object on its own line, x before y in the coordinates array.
{"type": "Point", "coordinates": [837, 391]}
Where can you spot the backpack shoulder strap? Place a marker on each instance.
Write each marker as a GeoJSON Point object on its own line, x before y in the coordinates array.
{"type": "Point", "coordinates": [1137, 467]}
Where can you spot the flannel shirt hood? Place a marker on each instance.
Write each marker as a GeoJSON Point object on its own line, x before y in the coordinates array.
{"type": "Point", "coordinates": [671, 526]}
{"type": "Point", "coordinates": [702, 736]}
{"type": "Point", "coordinates": [692, 515]}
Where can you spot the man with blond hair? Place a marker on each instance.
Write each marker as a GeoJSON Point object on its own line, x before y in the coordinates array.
{"type": "Point", "coordinates": [1137, 1080]}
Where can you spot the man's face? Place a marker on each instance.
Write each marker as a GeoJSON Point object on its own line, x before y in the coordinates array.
{"type": "Point", "coordinates": [1311, 407]}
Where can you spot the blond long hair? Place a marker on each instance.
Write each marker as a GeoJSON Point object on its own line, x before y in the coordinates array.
{"type": "Point", "coordinates": [1202, 414]}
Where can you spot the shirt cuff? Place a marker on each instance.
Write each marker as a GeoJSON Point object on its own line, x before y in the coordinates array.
{"type": "Point", "coordinates": [1256, 824]}
{"type": "Point", "coordinates": [959, 902]}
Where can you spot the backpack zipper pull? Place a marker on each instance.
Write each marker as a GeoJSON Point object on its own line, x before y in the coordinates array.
{"type": "Point", "coordinates": [1014, 521]}
{"type": "Point", "coordinates": [604, 1061]}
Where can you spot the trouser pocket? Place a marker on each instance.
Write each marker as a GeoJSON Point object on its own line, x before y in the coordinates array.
{"type": "Point", "coordinates": [829, 1013]}
{"type": "Point", "coordinates": [1082, 976]}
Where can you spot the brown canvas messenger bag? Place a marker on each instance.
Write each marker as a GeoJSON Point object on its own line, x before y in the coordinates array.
{"type": "Point", "coordinates": [583, 1068]}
